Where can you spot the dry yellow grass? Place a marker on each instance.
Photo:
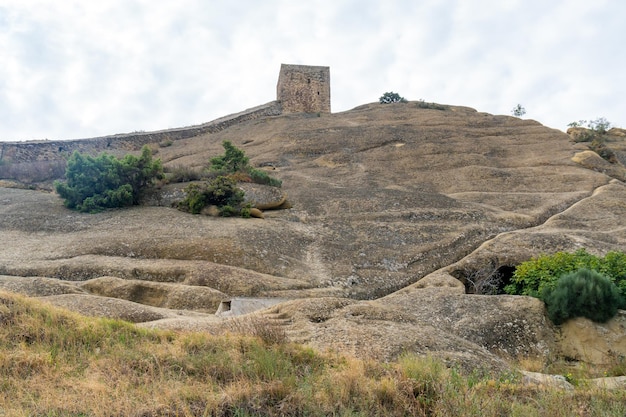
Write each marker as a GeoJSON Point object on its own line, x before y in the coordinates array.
{"type": "Point", "coordinates": [57, 363]}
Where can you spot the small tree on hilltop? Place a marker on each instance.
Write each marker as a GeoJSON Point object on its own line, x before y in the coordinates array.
{"type": "Point", "coordinates": [391, 97]}
{"type": "Point", "coordinates": [518, 111]}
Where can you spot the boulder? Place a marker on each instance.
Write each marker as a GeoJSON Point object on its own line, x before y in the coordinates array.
{"type": "Point", "coordinates": [594, 343]}
{"type": "Point", "coordinates": [263, 197]}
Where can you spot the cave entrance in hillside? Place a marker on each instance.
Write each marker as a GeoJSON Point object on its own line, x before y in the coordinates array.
{"type": "Point", "coordinates": [488, 279]}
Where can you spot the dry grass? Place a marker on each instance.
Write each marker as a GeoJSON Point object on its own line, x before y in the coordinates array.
{"type": "Point", "coordinates": [264, 328]}
{"type": "Point", "coordinates": [55, 363]}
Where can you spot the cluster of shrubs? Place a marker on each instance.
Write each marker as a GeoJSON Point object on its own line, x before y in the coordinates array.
{"type": "Point", "coordinates": [96, 183]}
{"type": "Point", "coordinates": [220, 189]}
{"type": "Point", "coordinates": [391, 97]}
{"type": "Point", "coordinates": [575, 284]}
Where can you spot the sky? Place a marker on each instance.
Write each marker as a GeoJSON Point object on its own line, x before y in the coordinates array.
{"type": "Point", "coordinates": [77, 69]}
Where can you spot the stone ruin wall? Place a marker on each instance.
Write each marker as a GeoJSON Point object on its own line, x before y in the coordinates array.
{"type": "Point", "coordinates": [51, 150]}
{"type": "Point", "coordinates": [304, 89]}
{"type": "Point", "coordinates": [300, 89]}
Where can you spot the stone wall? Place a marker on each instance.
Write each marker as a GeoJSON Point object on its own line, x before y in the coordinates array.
{"type": "Point", "coordinates": [300, 89]}
{"type": "Point", "coordinates": [24, 152]}
{"type": "Point", "coordinates": [304, 89]}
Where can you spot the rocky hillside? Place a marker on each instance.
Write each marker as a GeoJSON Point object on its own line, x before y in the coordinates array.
{"type": "Point", "coordinates": [395, 210]}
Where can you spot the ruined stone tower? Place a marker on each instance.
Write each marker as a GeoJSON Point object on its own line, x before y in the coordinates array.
{"type": "Point", "coordinates": [304, 89]}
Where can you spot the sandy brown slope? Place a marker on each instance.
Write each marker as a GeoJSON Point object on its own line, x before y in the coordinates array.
{"type": "Point", "coordinates": [382, 196]}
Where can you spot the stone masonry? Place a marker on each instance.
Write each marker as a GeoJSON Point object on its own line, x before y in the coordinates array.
{"type": "Point", "coordinates": [304, 89]}
{"type": "Point", "coordinates": [301, 89]}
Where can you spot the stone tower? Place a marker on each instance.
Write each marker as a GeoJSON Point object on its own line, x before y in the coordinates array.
{"type": "Point", "coordinates": [304, 89]}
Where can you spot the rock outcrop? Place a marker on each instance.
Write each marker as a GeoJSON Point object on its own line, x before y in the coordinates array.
{"type": "Point", "coordinates": [394, 208]}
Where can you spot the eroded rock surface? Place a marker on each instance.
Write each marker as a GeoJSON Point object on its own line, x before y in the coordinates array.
{"type": "Point", "coordinates": [391, 206]}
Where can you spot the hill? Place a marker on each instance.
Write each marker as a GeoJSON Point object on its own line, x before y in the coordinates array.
{"type": "Point", "coordinates": [396, 211]}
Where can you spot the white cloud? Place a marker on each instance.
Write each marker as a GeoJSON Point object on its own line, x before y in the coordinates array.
{"type": "Point", "coordinates": [80, 69]}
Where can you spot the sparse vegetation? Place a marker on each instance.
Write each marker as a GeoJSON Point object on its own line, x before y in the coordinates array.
{"type": "Point", "coordinates": [236, 164]}
{"type": "Point", "coordinates": [484, 280]}
{"type": "Point", "coordinates": [434, 106]}
{"type": "Point", "coordinates": [518, 111]}
{"type": "Point", "coordinates": [391, 97]}
{"type": "Point", "coordinates": [182, 173]}
{"type": "Point", "coordinates": [599, 146]}
{"type": "Point", "coordinates": [600, 125]}
{"type": "Point", "coordinates": [165, 143]}
{"type": "Point", "coordinates": [583, 293]}
{"type": "Point", "coordinates": [594, 129]}
{"type": "Point", "coordinates": [595, 132]}
{"type": "Point", "coordinates": [56, 363]}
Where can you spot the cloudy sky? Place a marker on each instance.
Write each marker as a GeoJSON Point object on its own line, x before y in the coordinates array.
{"type": "Point", "coordinates": [78, 68]}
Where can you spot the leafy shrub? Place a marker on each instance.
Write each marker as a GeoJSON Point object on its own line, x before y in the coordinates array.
{"type": "Point", "coordinates": [518, 111]}
{"type": "Point", "coordinates": [240, 176]}
{"type": "Point", "coordinates": [229, 169]}
{"type": "Point", "coordinates": [584, 293]}
{"type": "Point", "coordinates": [235, 164]}
{"type": "Point", "coordinates": [537, 276]}
{"type": "Point", "coordinates": [96, 183]}
{"type": "Point", "coordinates": [221, 192]}
{"type": "Point", "coordinates": [261, 177]}
{"type": "Point", "coordinates": [391, 97]}
{"type": "Point", "coordinates": [233, 160]}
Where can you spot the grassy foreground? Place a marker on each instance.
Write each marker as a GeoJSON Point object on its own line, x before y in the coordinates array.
{"type": "Point", "coordinates": [56, 363]}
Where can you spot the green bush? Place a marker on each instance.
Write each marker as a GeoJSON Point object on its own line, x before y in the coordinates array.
{"type": "Point", "coordinates": [261, 177]}
{"type": "Point", "coordinates": [391, 97]}
{"type": "Point", "coordinates": [233, 160]}
{"type": "Point", "coordinates": [539, 274]}
{"type": "Point", "coordinates": [96, 183]}
{"type": "Point", "coordinates": [221, 192]}
{"type": "Point", "coordinates": [235, 164]}
{"type": "Point", "coordinates": [584, 293]}
{"type": "Point", "coordinates": [518, 111]}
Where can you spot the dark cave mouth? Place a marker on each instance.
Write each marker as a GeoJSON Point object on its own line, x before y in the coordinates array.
{"type": "Point", "coordinates": [485, 280]}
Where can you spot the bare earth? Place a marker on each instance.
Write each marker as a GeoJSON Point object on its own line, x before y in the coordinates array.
{"type": "Point", "coordinates": [391, 206]}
